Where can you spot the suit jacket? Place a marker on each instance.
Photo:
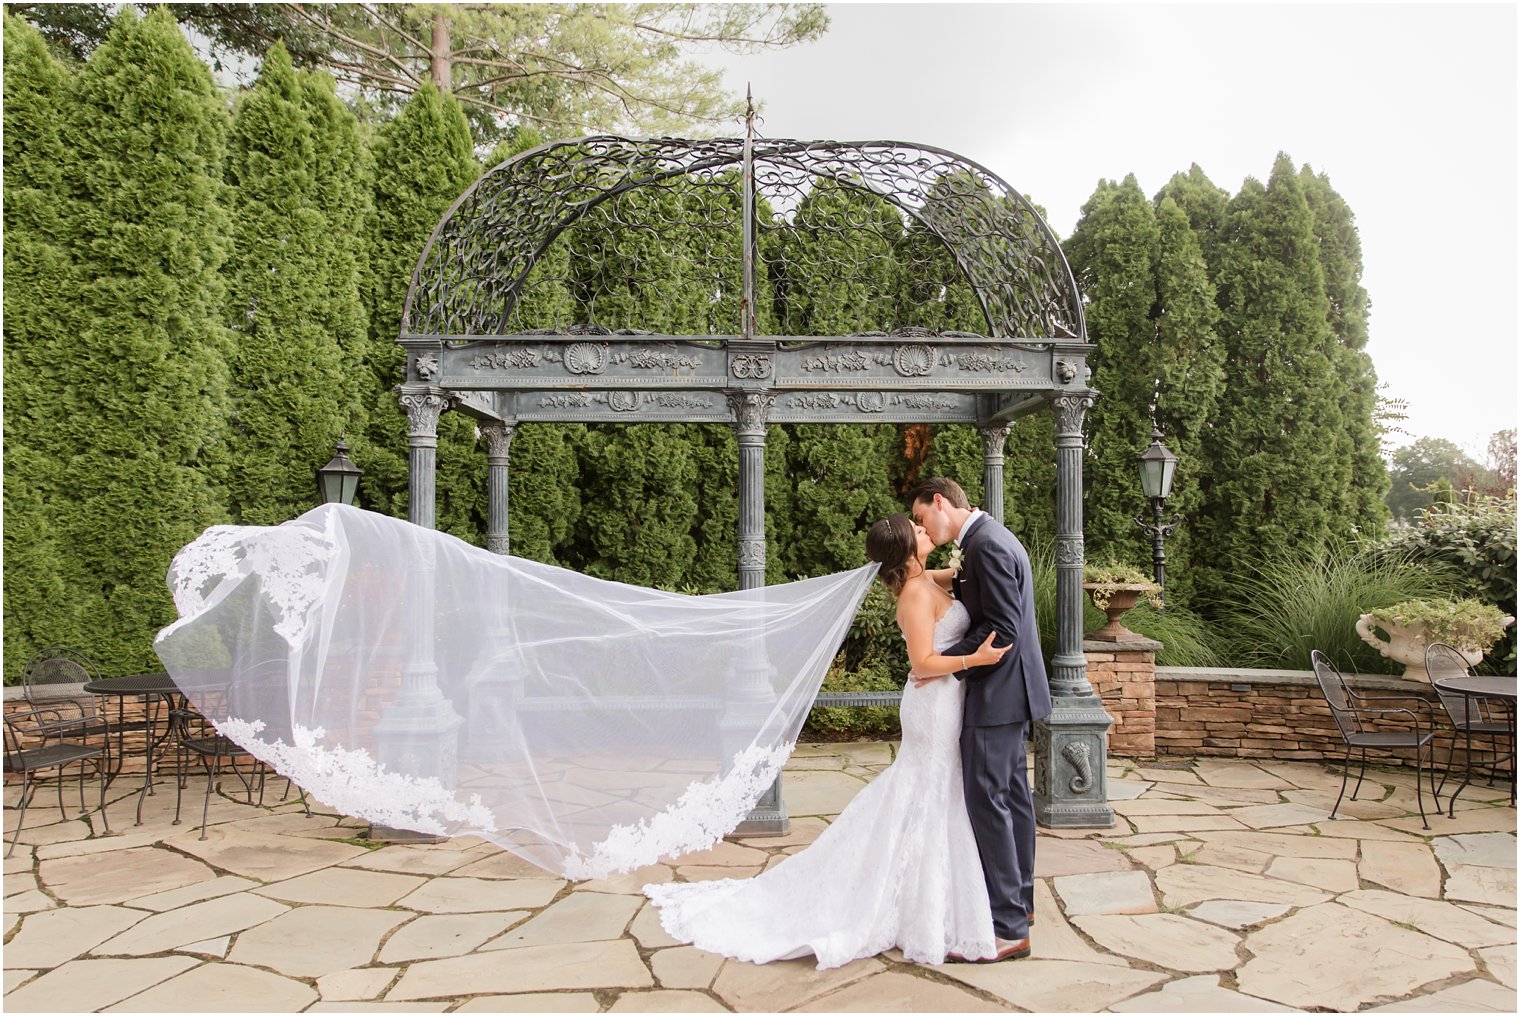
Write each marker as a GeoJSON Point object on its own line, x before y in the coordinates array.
{"type": "Point", "coordinates": [996, 586]}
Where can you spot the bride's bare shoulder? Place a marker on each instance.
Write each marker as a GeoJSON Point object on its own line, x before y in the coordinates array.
{"type": "Point", "coordinates": [915, 600]}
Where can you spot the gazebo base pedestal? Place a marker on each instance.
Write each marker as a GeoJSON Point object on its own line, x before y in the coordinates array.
{"type": "Point", "coordinates": [1071, 765]}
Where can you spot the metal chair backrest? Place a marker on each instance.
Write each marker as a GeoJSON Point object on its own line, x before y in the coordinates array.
{"type": "Point", "coordinates": [12, 744]}
{"type": "Point", "coordinates": [57, 673]}
{"type": "Point", "coordinates": [1337, 693]}
{"type": "Point", "coordinates": [1444, 662]}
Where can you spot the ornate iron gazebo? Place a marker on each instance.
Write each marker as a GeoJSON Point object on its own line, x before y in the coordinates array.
{"type": "Point", "coordinates": [532, 301]}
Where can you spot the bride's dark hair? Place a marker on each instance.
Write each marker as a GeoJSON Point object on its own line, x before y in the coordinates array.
{"type": "Point", "coordinates": [891, 543]}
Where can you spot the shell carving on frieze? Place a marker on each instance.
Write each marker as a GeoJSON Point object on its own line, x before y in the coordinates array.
{"type": "Point", "coordinates": [623, 402]}
{"type": "Point", "coordinates": [586, 358]}
{"type": "Point", "coordinates": [871, 402]}
{"type": "Point", "coordinates": [913, 361]}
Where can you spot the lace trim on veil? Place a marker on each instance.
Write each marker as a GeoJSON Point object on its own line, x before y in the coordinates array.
{"type": "Point", "coordinates": [706, 812]}
{"type": "Point", "coordinates": [349, 780]}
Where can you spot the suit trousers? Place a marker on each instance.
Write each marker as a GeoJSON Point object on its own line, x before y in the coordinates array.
{"type": "Point", "coordinates": [1001, 809]}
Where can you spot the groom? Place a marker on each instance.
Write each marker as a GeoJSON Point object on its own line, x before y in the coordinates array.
{"type": "Point", "coordinates": [1002, 699]}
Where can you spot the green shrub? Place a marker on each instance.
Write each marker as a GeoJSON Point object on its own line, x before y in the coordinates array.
{"type": "Point", "coordinates": [1287, 606]}
{"type": "Point", "coordinates": [1461, 623]}
{"type": "Point", "coordinates": [1474, 541]}
{"type": "Point", "coordinates": [874, 673]}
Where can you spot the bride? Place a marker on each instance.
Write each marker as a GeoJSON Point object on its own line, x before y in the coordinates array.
{"type": "Point", "coordinates": [899, 867]}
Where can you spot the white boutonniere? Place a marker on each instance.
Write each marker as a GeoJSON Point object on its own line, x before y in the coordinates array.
{"type": "Point", "coordinates": [954, 563]}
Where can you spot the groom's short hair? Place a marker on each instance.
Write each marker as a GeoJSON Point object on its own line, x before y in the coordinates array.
{"type": "Point", "coordinates": [944, 487]}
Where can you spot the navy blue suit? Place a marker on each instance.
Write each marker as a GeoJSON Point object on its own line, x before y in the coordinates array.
{"type": "Point", "coordinates": [1002, 699]}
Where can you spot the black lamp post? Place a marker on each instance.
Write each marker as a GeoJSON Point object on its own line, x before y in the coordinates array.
{"type": "Point", "coordinates": [338, 481]}
{"type": "Point", "coordinates": [1157, 466]}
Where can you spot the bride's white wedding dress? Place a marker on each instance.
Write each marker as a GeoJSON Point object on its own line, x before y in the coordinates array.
{"type": "Point", "coordinates": [898, 867]}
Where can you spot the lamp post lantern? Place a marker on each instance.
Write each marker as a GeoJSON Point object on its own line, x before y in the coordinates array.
{"type": "Point", "coordinates": [338, 481]}
{"type": "Point", "coordinates": [1157, 466]}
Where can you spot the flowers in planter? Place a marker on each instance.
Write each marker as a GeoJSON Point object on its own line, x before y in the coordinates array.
{"type": "Point", "coordinates": [1466, 624]}
{"type": "Point", "coordinates": [1103, 579]}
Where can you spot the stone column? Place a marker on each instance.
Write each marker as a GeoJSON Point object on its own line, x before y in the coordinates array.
{"type": "Point", "coordinates": [422, 412]}
{"type": "Point", "coordinates": [748, 695]}
{"type": "Point", "coordinates": [994, 441]}
{"type": "Point", "coordinates": [498, 444]}
{"type": "Point", "coordinates": [1070, 748]}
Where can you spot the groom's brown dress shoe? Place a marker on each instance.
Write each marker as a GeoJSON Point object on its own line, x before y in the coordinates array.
{"type": "Point", "coordinates": [1008, 950]}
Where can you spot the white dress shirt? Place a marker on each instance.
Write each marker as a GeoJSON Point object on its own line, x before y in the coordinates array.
{"type": "Point", "coordinates": [976, 513]}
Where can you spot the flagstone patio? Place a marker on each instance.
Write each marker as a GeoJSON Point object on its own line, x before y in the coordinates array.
{"type": "Point", "coordinates": [1223, 886]}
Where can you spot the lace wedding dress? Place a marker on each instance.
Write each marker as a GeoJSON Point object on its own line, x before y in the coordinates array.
{"type": "Point", "coordinates": [898, 867]}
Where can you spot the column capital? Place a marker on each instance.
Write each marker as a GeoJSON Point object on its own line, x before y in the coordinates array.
{"type": "Point", "coordinates": [1069, 409]}
{"type": "Point", "coordinates": [422, 412]}
{"type": "Point", "coordinates": [498, 435]}
{"type": "Point", "coordinates": [751, 410]}
{"type": "Point", "coordinates": [995, 438]}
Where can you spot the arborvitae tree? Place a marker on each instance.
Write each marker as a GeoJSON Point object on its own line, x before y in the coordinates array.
{"type": "Point", "coordinates": [142, 396]}
{"type": "Point", "coordinates": [40, 322]}
{"type": "Point", "coordinates": [343, 178]}
{"type": "Point", "coordinates": [837, 260]}
{"type": "Point", "coordinates": [1273, 478]}
{"type": "Point", "coordinates": [293, 298]}
{"type": "Point", "coordinates": [1340, 251]}
{"type": "Point", "coordinates": [1205, 206]}
{"type": "Point", "coordinates": [423, 161]}
{"type": "Point", "coordinates": [638, 503]}
{"type": "Point", "coordinates": [1114, 252]}
{"type": "Point", "coordinates": [1190, 370]}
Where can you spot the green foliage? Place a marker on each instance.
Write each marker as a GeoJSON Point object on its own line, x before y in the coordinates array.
{"type": "Point", "coordinates": [1416, 467]}
{"type": "Point", "coordinates": [1472, 540]}
{"type": "Point", "coordinates": [40, 322]}
{"type": "Point", "coordinates": [293, 293]}
{"type": "Point", "coordinates": [1291, 603]}
{"type": "Point", "coordinates": [1187, 640]}
{"type": "Point", "coordinates": [1466, 624]}
{"type": "Point", "coordinates": [875, 673]}
{"type": "Point", "coordinates": [141, 399]}
{"type": "Point", "coordinates": [1274, 477]}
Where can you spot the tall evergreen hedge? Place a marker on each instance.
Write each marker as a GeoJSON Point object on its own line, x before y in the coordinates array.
{"type": "Point", "coordinates": [293, 290]}
{"type": "Point", "coordinates": [140, 397]}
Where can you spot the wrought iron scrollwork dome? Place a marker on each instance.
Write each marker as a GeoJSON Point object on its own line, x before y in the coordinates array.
{"type": "Point", "coordinates": [587, 235]}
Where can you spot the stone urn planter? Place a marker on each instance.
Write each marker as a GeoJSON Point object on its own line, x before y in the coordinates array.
{"type": "Point", "coordinates": [1114, 599]}
{"type": "Point", "coordinates": [1468, 626]}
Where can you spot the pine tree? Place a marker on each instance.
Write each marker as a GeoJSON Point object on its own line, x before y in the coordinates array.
{"type": "Point", "coordinates": [141, 399]}
{"type": "Point", "coordinates": [40, 321]}
{"type": "Point", "coordinates": [1114, 252]}
{"type": "Point", "coordinates": [423, 162]}
{"type": "Point", "coordinates": [293, 295]}
{"type": "Point", "coordinates": [1341, 257]}
{"type": "Point", "coordinates": [1272, 473]}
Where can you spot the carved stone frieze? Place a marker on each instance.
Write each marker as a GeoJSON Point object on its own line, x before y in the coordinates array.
{"type": "Point", "coordinates": [914, 360]}
{"type": "Point", "coordinates": [867, 402]}
{"type": "Point", "coordinates": [623, 402]}
{"type": "Point", "coordinates": [522, 358]}
{"type": "Point", "coordinates": [850, 361]}
{"type": "Point", "coordinates": [749, 366]}
{"type": "Point", "coordinates": [653, 359]}
{"type": "Point", "coordinates": [422, 412]}
{"type": "Point", "coordinates": [1066, 371]}
{"type": "Point", "coordinates": [626, 401]}
{"type": "Point", "coordinates": [427, 365]}
{"type": "Point", "coordinates": [986, 361]}
{"type": "Point", "coordinates": [585, 358]}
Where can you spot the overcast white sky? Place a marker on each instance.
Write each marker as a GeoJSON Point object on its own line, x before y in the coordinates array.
{"type": "Point", "coordinates": [1410, 109]}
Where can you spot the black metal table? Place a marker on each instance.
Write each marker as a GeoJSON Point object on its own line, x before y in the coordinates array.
{"type": "Point", "coordinates": [1471, 687]}
{"type": "Point", "coordinates": [155, 686]}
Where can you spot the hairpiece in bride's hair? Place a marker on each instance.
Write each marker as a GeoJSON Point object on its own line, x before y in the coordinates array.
{"type": "Point", "coordinates": [889, 528]}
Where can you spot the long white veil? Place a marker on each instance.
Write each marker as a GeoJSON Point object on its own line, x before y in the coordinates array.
{"type": "Point", "coordinates": [403, 676]}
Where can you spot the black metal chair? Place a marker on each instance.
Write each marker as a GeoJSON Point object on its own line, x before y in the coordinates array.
{"type": "Point", "coordinates": [1469, 715]}
{"type": "Point", "coordinates": [1353, 713]}
{"type": "Point", "coordinates": [54, 680]}
{"type": "Point", "coordinates": [196, 737]}
{"type": "Point", "coordinates": [25, 725]}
